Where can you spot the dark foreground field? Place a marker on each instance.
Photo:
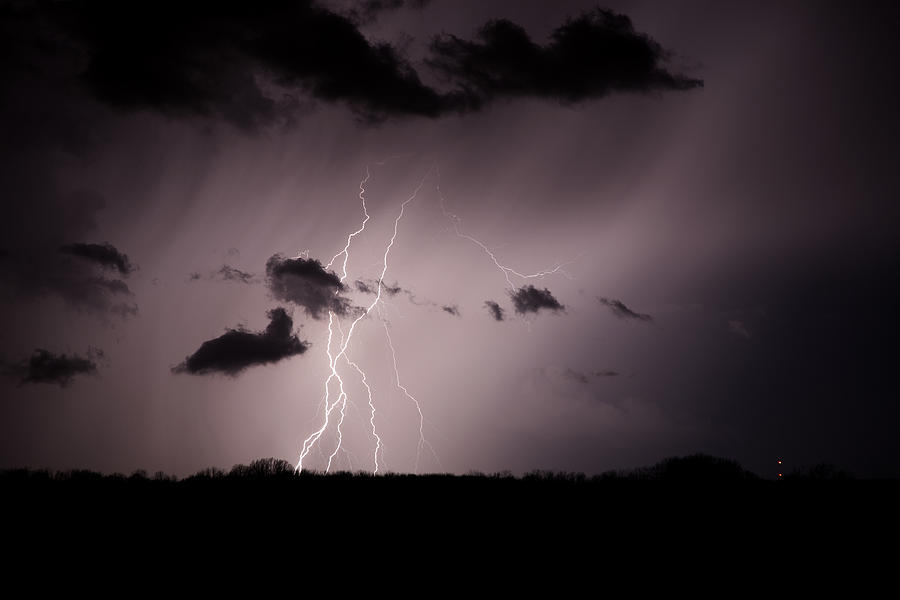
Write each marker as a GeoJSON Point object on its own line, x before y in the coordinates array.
{"type": "Point", "coordinates": [703, 510]}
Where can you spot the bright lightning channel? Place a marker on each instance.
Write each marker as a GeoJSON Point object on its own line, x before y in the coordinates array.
{"type": "Point", "coordinates": [333, 359]}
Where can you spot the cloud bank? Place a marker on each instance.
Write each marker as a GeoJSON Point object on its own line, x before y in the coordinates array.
{"type": "Point", "coordinates": [254, 64]}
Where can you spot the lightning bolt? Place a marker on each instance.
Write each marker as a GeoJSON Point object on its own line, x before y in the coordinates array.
{"type": "Point", "coordinates": [337, 346]}
{"type": "Point", "coordinates": [345, 340]}
{"type": "Point", "coordinates": [456, 221]}
{"type": "Point", "coordinates": [372, 413]}
{"type": "Point", "coordinates": [422, 441]}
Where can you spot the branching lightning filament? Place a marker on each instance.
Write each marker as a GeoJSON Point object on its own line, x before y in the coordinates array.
{"type": "Point", "coordinates": [345, 339]}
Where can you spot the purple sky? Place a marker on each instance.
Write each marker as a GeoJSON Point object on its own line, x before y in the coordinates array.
{"type": "Point", "coordinates": [730, 249]}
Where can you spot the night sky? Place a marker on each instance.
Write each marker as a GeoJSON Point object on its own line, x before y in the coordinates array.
{"type": "Point", "coordinates": [628, 232]}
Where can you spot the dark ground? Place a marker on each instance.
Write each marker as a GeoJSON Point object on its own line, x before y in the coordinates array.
{"type": "Point", "coordinates": [699, 516]}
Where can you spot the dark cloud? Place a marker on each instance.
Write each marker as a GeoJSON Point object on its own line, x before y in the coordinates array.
{"type": "Point", "coordinates": [226, 273]}
{"type": "Point", "coordinates": [451, 310]}
{"type": "Point", "coordinates": [576, 375]}
{"type": "Point", "coordinates": [244, 62]}
{"type": "Point", "coordinates": [307, 283]}
{"type": "Point", "coordinates": [623, 312]}
{"type": "Point", "coordinates": [369, 10]}
{"type": "Point", "coordinates": [606, 373]}
{"type": "Point", "coordinates": [365, 288]}
{"type": "Point", "coordinates": [530, 299]}
{"type": "Point", "coordinates": [393, 290]}
{"type": "Point", "coordinates": [57, 369]}
{"type": "Point", "coordinates": [495, 310]}
{"type": "Point", "coordinates": [238, 349]}
{"type": "Point", "coordinates": [250, 63]}
{"type": "Point", "coordinates": [77, 283]}
{"type": "Point", "coordinates": [370, 286]}
{"type": "Point", "coordinates": [590, 56]}
{"type": "Point", "coordinates": [105, 255]}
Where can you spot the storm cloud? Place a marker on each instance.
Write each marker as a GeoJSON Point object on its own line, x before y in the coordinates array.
{"type": "Point", "coordinates": [106, 255]}
{"type": "Point", "coordinates": [370, 286]}
{"type": "Point", "coordinates": [255, 66]}
{"type": "Point", "coordinates": [225, 273]}
{"type": "Point", "coordinates": [529, 299]}
{"type": "Point", "coordinates": [306, 283]}
{"type": "Point", "coordinates": [239, 349]}
{"type": "Point", "coordinates": [246, 64]}
{"type": "Point", "coordinates": [590, 56]}
{"type": "Point", "coordinates": [494, 309]}
{"type": "Point", "coordinates": [55, 369]}
{"type": "Point", "coordinates": [369, 10]}
{"type": "Point", "coordinates": [619, 309]}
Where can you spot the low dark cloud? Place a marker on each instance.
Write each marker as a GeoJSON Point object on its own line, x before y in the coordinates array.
{"type": "Point", "coordinates": [40, 258]}
{"type": "Point", "coordinates": [590, 56]}
{"type": "Point", "coordinates": [367, 11]}
{"type": "Point", "coordinates": [106, 255]}
{"type": "Point", "coordinates": [619, 309]}
{"type": "Point", "coordinates": [247, 63]}
{"type": "Point", "coordinates": [307, 283]}
{"type": "Point", "coordinates": [494, 309]}
{"type": "Point", "coordinates": [370, 286]}
{"type": "Point", "coordinates": [228, 273]}
{"type": "Point", "coordinates": [238, 349]}
{"type": "Point", "coordinates": [365, 288]}
{"type": "Point", "coordinates": [451, 310]}
{"type": "Point", "coordinates": [225, 273]}
{"type": "Point", "coordinates": [256, 64]}
{"type": "Point", "coordinates": [529, 299]}
{"type": "Point", "coordinates": [606, 373]}
{"type": "Point", "coordinates": [393, 290]}
{"type": "Point", "coordinates": [55, 369]}
{"type": "Point", "coordinates": [576, 375]}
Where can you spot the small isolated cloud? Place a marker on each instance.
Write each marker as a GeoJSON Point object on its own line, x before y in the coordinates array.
{"type": "Point", "coordinates": [365, 288]}
{"type": "Point", "coordinates": [606, 373]}
{"type": "Point", "coordinates": [238, 349]}
{"type": "Point", "coordinates": [619, 309]}
{"type": "Point", "coordinates": [451, 310]}
{"type": "Point", "coordinates": [225, 273]}
{"type": "Point", "coordinates": [494, 309]}
{"type": "Point", "coordinates": [530, 299]}
{"type": "Point", "coordinates": [575, 375]}
{"type": "Point", "coordinates": [55, 369]}
{"type": "Point", "coordinates": [228, 273]}
{"type": "Point", "coordinates": [739, 328]}
{"type": "Point", "coordinates": [370, 286]}
{"type": "Point", "coordinates": [306, 283]}
{"type": "Point", "coordinates": [106, 255]}
{"type": "Point", "coordinates": [367, 11]}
